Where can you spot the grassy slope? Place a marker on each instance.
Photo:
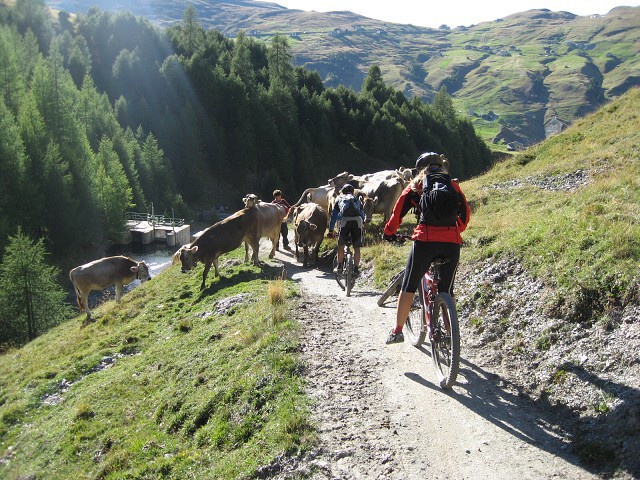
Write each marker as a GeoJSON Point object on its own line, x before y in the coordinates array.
{"type": "Point", "coordinates": [189, 391]}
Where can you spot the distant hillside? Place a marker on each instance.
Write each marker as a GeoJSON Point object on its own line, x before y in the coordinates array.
{"type": "Point", "coordinates": [521, 78]}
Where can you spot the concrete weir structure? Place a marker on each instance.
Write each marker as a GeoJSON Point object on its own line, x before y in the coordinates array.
{"type": "Point", "coordinates": [145, 229]}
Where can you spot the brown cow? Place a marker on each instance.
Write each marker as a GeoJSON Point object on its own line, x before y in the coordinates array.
{"type": "Point", "coordinates": [310, 222]}
{"type": "Point", "coordinates": [221, 237]}
{"type": "Point", "coordinates": [367, 205]}
{"type": "Point", "coordinates": [100, 274]}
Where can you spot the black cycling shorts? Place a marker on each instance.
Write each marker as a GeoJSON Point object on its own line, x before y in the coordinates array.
{"type": "Point", "coordinates": [352, 230]}
{"type": "Point", "coordinates": [420, 258]}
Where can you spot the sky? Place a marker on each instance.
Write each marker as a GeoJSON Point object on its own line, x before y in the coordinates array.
{"type": "Point", "coordinates": [430, 13]}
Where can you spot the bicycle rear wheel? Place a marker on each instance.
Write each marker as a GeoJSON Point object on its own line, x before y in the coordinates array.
{"type": "Point", "coordinates": [337, 276]}
{"type": "Point", "coordinates": [415, 326]}
{"type": "Point", "coordinates": [445, 341]}
{"type": "Point", "coordinates": [393, 288]}
{"type": "Point", "coordinates": [349, 280]}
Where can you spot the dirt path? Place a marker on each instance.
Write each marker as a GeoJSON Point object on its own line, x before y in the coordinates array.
{"type": "Point", "coordinates": [380, 415]}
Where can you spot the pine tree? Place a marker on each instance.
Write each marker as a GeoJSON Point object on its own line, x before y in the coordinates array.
{"type": "Point", "coordinates": [113, 192]}
{"type": "Point", "coordinates": [241, 63]}
{"type": "Point", "coordinates": [12, 83]}
{"type": "Point", "coordinates": [443, 105]}
{"type": "Point", "coordinates": [281, 71]}
{"type": "Point", "coordinates": [13, 180]}
{"type": "Point", "coordinates": [31, 300]}
{"type": "Point", "coordinates": [192, 32]}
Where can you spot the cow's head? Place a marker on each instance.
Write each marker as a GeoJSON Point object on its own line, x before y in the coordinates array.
{"type": "Point", "coordinates": [303, 229]}
{"type": "Point", "coordinates": [367, 205]}
{"type": "Point", "coordinates": [340, 180]}
{"type": "Point", "coordinates": [142, 272]}
{"type": "Point", "coordinates": [187, 256]}
{"type": "Point", "coordinates": [251, 200]}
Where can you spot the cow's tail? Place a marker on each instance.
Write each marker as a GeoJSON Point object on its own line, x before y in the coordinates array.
{"type": "Point", "coordinates": [303, 198]}
{"type": "Point", "coordinates": [78, 294]}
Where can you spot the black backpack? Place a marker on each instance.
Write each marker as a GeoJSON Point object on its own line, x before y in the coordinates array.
{"type": "Point", "coordinates": [348, 206]}
{"type": "Point", "coordinates": [439, 202]}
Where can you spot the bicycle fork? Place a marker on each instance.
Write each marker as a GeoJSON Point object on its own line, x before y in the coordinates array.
{"type": "Point", "coordinates": [428, 305]}
{"type": "Point", "coordinates": [429, 293]}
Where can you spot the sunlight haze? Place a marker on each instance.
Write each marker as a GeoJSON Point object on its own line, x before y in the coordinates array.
{"type": "Point", "coordinates": [452, 13]}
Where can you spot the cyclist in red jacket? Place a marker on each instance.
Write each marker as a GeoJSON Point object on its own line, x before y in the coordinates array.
{"type": "Point", "coordinates": [431, 238]}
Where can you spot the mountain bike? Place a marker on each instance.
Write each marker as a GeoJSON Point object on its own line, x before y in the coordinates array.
{"type": "Point", "coordinates": [347, 278]}
{"type": "Point", "coordinates": [432, 314]}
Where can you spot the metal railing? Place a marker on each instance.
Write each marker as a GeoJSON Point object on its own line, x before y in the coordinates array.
{"type": "Point", "coordinates": [156, 220]}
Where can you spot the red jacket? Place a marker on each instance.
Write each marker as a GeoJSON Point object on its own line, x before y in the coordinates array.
{"type": "Point", "coordinates": [425, 233]}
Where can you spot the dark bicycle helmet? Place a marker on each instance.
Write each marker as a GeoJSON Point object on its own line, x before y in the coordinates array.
{"type": "Point", "coordinates": [348, 188]}
{"type": "Point", "coordinates": [434, 159]}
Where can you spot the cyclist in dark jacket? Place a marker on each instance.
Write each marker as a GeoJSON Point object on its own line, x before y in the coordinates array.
{"type": "Point", "coordinates": [429, 241]}
{"type": "Point", "coordinates": [348, 210]}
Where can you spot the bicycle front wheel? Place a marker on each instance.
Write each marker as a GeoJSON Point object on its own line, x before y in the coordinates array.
{"type": "Point", "coordinates": [393, 288]}
{"type": "Point", "coordinates": [445, 340]}
{"type": "Point", "coordinates": [349, 280]}
{"type": "Point", "coordinates": [415, 326]}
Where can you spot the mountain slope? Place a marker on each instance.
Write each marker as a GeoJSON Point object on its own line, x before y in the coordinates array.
{"type": "Point", "coordinates": [521, 78]}
{"type": "Point", "coordinates": [176, 382]}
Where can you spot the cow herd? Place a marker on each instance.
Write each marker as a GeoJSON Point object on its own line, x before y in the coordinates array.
{"type": "Point", "coordinates": [310, 215]}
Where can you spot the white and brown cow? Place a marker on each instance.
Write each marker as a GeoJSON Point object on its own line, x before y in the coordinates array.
{"type": "Point", "coordinates": [100, 274]}
{"type": "Point", "coordinates": [270, 218]}
{"type": "Point", "coordinates": [324, 196]}
{"type": "Point", "coordinates": [384, 193]}
{"type": "Point", "coordinates": [340, 180]}
{"type": "Point", "coordinates": [310, 223]}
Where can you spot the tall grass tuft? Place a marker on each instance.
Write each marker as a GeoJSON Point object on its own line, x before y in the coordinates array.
{"type": "Point", "coordinates": [276, 292]}
{"type": "Point", "coordinates": [277, 299]}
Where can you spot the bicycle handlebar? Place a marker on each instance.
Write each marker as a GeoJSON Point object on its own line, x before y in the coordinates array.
{"type": "Point", "coordinates": [399, 238]}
